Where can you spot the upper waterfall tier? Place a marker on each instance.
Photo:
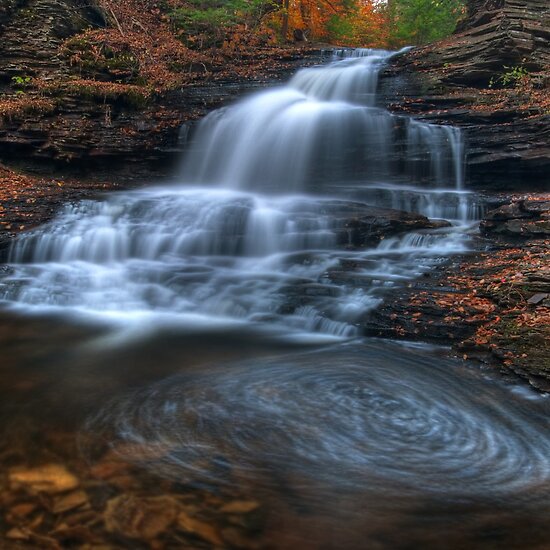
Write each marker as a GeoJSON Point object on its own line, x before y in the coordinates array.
{"type": "Point", "coordinates": [355, 79]}
{"type": "Point", "coordinates": [352, 77]}
{"type": "Point", "coordinates": [320, 129]}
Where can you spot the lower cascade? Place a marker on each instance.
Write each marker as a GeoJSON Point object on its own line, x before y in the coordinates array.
{"type": "Point", "coordinates": [275, 221]}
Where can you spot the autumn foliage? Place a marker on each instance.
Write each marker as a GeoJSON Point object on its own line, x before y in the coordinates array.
{"type": "Point", "coordinates": [343, 22]}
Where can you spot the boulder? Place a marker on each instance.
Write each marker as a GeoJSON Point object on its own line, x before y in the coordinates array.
{"type": "Point", "coordinates": [522, 219]}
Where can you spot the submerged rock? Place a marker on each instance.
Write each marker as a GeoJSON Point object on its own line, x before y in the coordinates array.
{"type": "Point", "coordinates": [199, 528]}
{"type": "Point", "coordinates": [140, 517]}
{"type": "Point", "coordinates": [370, 225]}
{"type": "Point", "coordinates": [50, 478]}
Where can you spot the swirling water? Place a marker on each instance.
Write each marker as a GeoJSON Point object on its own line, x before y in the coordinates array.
{"type": "Point", "coordinates": [349, 417]}
{"type": "Point", "coordinates": [368, 445]}
{"type": "Point", "coordinates": [367, 436]}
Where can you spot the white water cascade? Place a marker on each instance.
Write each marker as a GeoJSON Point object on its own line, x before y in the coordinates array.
{"type": "Point", "coordinates": [259, 229]}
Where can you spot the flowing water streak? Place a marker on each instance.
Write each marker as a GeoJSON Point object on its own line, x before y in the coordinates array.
{"type": "Point", "coordinates": [264, 238]}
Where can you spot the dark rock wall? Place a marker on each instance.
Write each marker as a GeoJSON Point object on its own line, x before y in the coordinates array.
{"type": "Point", "coordinates": [92, 133]}
{"type": "Point", "coordinates": [507, 147]}
{"type": "Point", "coordinates": [31, 32]}
{"type": "Point", "coordinates": [499, 33]}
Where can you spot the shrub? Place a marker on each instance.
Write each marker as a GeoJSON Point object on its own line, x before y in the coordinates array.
{"type": "Point", "coordinates": [207, 23]}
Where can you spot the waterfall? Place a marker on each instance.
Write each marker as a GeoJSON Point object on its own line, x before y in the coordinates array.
{"type": "Point", "coordinates": [258, 231]}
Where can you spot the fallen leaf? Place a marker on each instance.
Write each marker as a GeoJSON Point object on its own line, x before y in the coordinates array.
{"type": "Point", "coordinates": [17, 534]}
{"type": "Point", "coordinates": [69, 502]}
{"type": "Point", "coordinates": [240, 507]}
{"type": "Point", "coordinates": [23, 510]}
{"type": "Point", "coordinates": [199, 528]}
{"type": "Point", "coordinates": [50, 478]}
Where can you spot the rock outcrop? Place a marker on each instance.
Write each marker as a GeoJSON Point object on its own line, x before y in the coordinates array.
{"type": "Point", "coordinates": [32, 32]}
{"type": "Point", "coordinates": [522, 219]}
{"type": "Point", "coordinates": [493, 79]}
{"type": "Point", "coordinates": [53, 121]}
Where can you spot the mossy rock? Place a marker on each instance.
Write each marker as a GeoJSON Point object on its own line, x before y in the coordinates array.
{"type": "Point", "coordinates": [131, 96]}
{"type": "Point", "coordinates": [109, 65]}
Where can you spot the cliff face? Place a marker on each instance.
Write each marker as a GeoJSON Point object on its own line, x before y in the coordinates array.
{"type": "Point", "coordinates": [493, 79]}
{"type": "Point", "coordinates": [52, 116]}
{"type": "Point", "coordinates": [93, 128]}
{"type": "Point", "coordinates": [498, 33]}
{"type": "Point", "coordinates": [32, 32]}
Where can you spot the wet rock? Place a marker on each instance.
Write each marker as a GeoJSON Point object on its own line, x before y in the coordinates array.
{"type": "Point", "coordinates": [426, 321]}
{"type": "Point", "coordinates": [359, 225]}
{"type": "Point", "coordinates": [523, 219]}
{"type": "Point", "coordinates": [140, 517]}
{"type": "Point", "coordinates": [507, 212]}
{"type": "Point", "coordinates": [538, 298]}
{"type": "Point", "coordinates": [524, 229]}
{"type": "Point", "coordinates": [536, 207]}
{"type": "Point", "coordinates": [50, 478]}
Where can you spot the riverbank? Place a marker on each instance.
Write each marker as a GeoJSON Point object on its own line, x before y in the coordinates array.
{"type": "Point", "coordinates": [493, 304]}
{"type": "Point", "coordinates": [27, 200]}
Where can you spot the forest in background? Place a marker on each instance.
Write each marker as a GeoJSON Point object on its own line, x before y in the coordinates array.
{"type": "Point", "coordinates": [368, 23]}
{"type": "Point", "coordinates": [372, 23]}
{"type": "Point", "coordinates": [133, 49]}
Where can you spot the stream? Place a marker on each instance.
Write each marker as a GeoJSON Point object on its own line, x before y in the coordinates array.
{"type": "Point", "coordinates": [209, 333]}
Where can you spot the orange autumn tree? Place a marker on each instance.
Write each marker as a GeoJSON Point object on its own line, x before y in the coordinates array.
{"type": "Point", "coordinates": [346, 22]}
{"type": "Point", "coordinates": [360, 23]}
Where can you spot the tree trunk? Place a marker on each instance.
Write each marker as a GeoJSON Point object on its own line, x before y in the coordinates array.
{"type": "Point", "coordinates": [284, 29]}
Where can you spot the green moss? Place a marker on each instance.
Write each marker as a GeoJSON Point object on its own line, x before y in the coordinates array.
{"type": "Point", "coordinates": [91, 59]}
{"type": "Point", "coordinates": [128, 95]}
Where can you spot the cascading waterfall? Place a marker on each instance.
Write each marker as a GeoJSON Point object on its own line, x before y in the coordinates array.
{"type": "Point", "coordinates": [259, 228]}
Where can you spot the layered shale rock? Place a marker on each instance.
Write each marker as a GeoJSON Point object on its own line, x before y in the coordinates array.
{"type": "Point", "coordinates": [493, 79]}
{"type": "Point", "coordinates": [522, 219]}
{"type": "Point", "coordinates": [32, 32]}
{"type": "Point", "coordinates": [52, 117]}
